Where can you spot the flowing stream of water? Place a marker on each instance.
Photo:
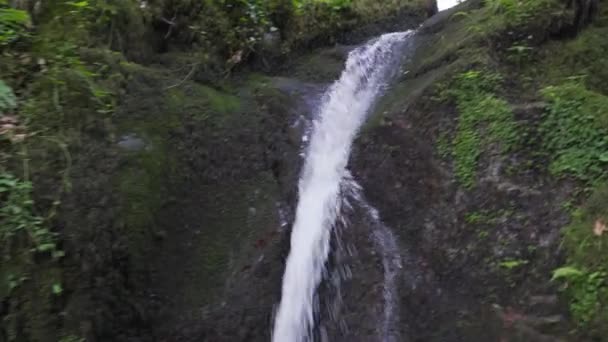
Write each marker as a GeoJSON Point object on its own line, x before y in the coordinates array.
{"type": "Point", "coordinates": [341, 114]}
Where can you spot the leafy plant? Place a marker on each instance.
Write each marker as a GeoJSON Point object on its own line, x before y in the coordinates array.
{"type": "Point", "coordinates": [484, 119]}
{"type": "Point", "coordinates": [585, 276]}
{"type": "Point", "coordinates": [17, 217]}
{"type": "Point", "coordinates": [13, 23]}
{"type": "Point", "coordinates": [7, 98]}
{"type": "Point", "coordinates": [567, 273]}
{"type": "Point", "coordinates": [587, 291]}
{"type": "Point", "coordinates": [514, 13]}
{"type": "Point", "coordinates": [575, 131]}
{"type": "Point", "coordinates": [512, 264]}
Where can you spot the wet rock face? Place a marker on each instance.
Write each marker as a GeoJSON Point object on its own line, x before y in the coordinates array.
{"type": "Point", "coordinates": [479, 256]}
{"type": "Point", "coordinates": [459, 263]}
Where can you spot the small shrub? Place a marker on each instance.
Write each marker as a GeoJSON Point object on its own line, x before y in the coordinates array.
{"type": "Point", "coordinates": [18, 222]}
{"type": "Point", "coordinates": [13, 23]}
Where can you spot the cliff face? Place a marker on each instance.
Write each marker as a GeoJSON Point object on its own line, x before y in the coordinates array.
{"type": "Point", "coordinates": [470, 158]}
{"type": "Point", "coordinates": [174, 161]}
{"type": "Point", "coordinates": [486, 158]}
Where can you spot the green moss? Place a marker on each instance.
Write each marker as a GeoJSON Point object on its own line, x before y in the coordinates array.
{"type": "Point", "coordinates": [142, 183]}
{"type": "Point", "coordinates": [220, 102]}
{"type": "Point", "coordinates": [484, 120]}
{"type": "Point", "coordinates": [202, 102]}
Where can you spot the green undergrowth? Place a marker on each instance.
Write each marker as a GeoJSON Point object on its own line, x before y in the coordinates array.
{"type": "Point", "coordinates": [30, 279]}
{"type": "Point", "coordinates": [585, 277]}
{"type": "Point", "coordinates": [575, 131]}
{"type": "Point", "coordinates": [499, 19]}
{"type": "Point", "coordinates": [13, 23]}
{"type": "Point", "coordinates": [549, 63]}
{"type": "Point", "coordinates": [587, 55]}
{"type": "Point", "coordinates": [485, 120]}
{"type": "Point", "coordinates": [575, 135]}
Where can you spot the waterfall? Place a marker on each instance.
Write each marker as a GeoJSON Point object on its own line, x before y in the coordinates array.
{"type": "Point", "coordinates": [343, 110]}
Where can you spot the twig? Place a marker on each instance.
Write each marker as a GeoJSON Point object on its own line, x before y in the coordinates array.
{"type": "Point", "coordinates": [171, 24]}
{"type": "Point", "coordinates": [185, 78]}
{"type": "Point", "coordinates": [167, 21]}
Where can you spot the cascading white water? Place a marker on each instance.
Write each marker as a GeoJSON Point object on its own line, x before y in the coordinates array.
{"type": "Point", "coordinates": [342, 112]}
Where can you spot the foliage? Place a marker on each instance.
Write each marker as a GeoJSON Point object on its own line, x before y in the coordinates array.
{"type": "Point", "coordinates": [13, 23]}
{"type": "Point", "coordinates": [586, 274]}
{"type": "Point", "coordinates": [575, 131]}
{"type": "Point", "coordinates": [486, 216]}
{"type": "Point", "coordinates": [18, 220]}
{"type": "Point", "coordinates": [513, 20]}
{"type": "Point", "coordinates": [484, 119]}
{"type": "Point", "coordinates": [7, 98]}
{"type": "Point", "coordinates": [443, 145]}
{"type": "Point", "coordinates": [517, 12]}
{"type": "Point", "coordinates": [243, 24]}
{"type": "Point", "coordinates": [588, 292]}
{"type": "Point", "coordinates": [513, 263]}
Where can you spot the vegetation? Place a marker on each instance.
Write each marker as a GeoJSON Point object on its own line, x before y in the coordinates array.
{"type": "Point", "coordinates": [585, 276]}
{"type": "Point", "coordinates": [13, 23]}
{"type": "Point", "coordinates": [18, 221]}
{"type": "Point", "coordinates": [571, 132]}
{"type": "Point", "coordinates": [64, 66]}
{"type": "Point", "coordinates": [485, 120]}
{"type": "Point", "coordinates": [575, 131]}
{"type": "Point", "coordinates": [550, 60]}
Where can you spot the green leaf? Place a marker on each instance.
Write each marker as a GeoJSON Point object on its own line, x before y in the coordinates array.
{"type": "Point", "coordinates": [7, 97]}
{"type": "Point", "coordinates": [604, 157]}
{"type": "Point", "coordinates": [58, 254]}
{"type": "Point", "coordinates": [567, 272]}
{"type": "Point", "coordinates": [511, 264]}
{"type": "Point", "coordinates": [79, 4]}
{"type": "Point", "coordinates": [45, 247]}
{"type": "Point", "coordinates": [57, 289]}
